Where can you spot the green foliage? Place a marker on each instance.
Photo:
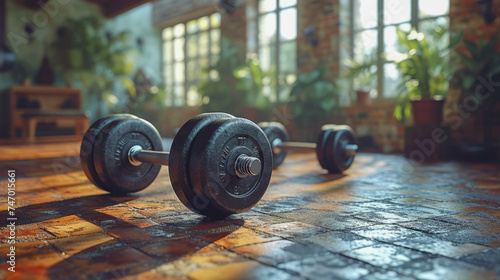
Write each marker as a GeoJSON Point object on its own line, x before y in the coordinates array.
{"type": "Point", "coordinates": [85, 53]}
{"type": "Point", "coordinates": [146, 98]}
{"type": "Point", "coordinates": [251, 81]}
{"type": "Point", "coordinates": [216, 90]}
{"type": "Point", "coordinates": [362, 73]}
{"type": "Point", "coordinates": [424, 67]}
{"type": "Point", "coordinates": [312, 96]}
{"type": "Point", "coordinates": [480, 60]}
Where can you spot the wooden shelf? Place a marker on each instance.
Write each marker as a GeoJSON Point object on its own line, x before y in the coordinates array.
{"type": "Point", "coordinates": [48, 99]}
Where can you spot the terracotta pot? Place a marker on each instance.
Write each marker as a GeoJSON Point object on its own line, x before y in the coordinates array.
{"type": "Point", "coordinates": [427, 111]}
{"type": "Point", "coordinates": [363, 97]}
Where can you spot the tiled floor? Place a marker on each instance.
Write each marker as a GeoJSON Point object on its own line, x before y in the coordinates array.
{"type": "Point", "coordinates": [382, 219]}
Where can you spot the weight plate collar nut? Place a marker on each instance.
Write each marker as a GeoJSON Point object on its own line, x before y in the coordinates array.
{"type": "Point", "coordinates": [132, 153]}
{"type": "Point", "coordinates": [247, 166]}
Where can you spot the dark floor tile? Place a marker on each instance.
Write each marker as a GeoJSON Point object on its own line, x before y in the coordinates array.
{"type": "Point", "coordinates": [236, 237]}
{"type": "Point", "coordinates": [388, 233]}
{"type": "Point", "coordinates": [385, 255]}
{"type": "Point", "coordinates": [315, 217]}
{"type": "Point", "coordinates": [274, 207]}
{"type": "Point", "coordinates": [476, 220]}
{"type": "Point", "coordinates": [338, 241]}
{"type": "Point", "coordinates": [171, 248]}
{"type": "Point", "coordinates": [437, 246]}
{"type": "Point", "coordinates": [444, 268]}
{"type": "Point", "coordinates": [468, 235]}
{"type": "Point", "coordinates": [143, 234]}
{"type": "Point", "coordinates": [385, 275]}
{"type": "Point", "coordinates": [489, 259]}
{"type": "Point", "coordinates": [291, 229]}
{"type": "Point", "coordinates": [339, 222]}
{"type": "Point", "coordinates": [327, 267]}
{"type": "Point", "coordinates": [386, 217]}
{"type": "Point", "coordinates": [255, 219]}
{"type": "Point", "coordinates": [430, 226]}
{"type": "Point", "coordinates": [248, 270]}
{"type": "Point", "coordinates": [280, 251]}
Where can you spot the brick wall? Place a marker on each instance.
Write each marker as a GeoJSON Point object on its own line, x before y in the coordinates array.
{"type": "Point", "coordinates": [376, 121]}
{"type": "Point", "coordinates": [323, 17]}
{"type": "Point", "coordinates": [233, 24]}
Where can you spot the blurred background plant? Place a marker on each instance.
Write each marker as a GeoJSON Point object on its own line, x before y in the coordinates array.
{"type": "Point", "coordinates": [313, 98]}
{"type": "Point", "coordinates": [251, 80]}
{"type": "Point", "coordinates": [478, 65]}
{"type": "Point", "coordinates": [478, 60]}
{"type": "Point", "coordinates": [216, 92]}
{"type": "Point", "coordinates": [147, 99]}
{"type": "Point", "coordinates": [362, 73]}
{"type": "Point", "coordinates": [85, 54]}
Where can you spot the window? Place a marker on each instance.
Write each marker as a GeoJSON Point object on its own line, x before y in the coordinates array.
{"type": "Point", "coordinates": [372, 30]}
{"type": "Point", "coordinates": [276, 47]}
{"type": "Point", "coordinates": [187, 49]}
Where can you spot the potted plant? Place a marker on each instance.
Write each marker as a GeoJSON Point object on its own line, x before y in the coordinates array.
{"type": "Point", "coordinates": [425, 75]}
{"type": "Point", "coordinates": [85, 53]}
{"type": "Point", "coordinates": [312, 98]}
{"type": "Point", "coordinates": [479, 64]}
{"type": "Point", "coordinates": [362, 74]}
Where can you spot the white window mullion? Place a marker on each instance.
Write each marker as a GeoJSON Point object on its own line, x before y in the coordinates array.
{"type": "Point", "coordinates": [415, 14]}
{"type": "Point", "coordinates": [380, 49]}
{"type": "Point", "coordinates": [277, 49]}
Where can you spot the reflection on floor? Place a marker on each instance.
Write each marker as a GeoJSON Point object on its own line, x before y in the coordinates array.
{"type": "Point", "coordinates": [383, 219]}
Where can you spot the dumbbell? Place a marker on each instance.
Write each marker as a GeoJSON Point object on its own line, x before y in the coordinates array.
{"type": "Point", "coordinates": [335, 146]}
{"type": "Point", "coordinates": [218, 164]}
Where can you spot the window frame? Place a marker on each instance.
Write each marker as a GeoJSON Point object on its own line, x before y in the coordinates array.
{"type": "Point", "coordinates": [276, 46]}
{"type": "Point", "coordinates": [170, 99]}
{"type": "Point", "coordinates": [414, 22]}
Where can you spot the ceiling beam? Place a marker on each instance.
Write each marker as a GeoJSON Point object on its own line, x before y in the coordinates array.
{"type": "Point", "coordinates": [112, 8]}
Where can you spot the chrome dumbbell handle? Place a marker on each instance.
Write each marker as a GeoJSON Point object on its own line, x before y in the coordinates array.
{"type": "Point", "coordinates": [244, 165]}
{"type": "Point", "coordinates": [278, 146]}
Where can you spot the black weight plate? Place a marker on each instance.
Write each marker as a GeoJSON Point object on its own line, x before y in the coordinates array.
{"type": "Point", "coordinates": [180, 153]}
{"type": "Point", "coordinates": [337, 160]}
{"type": "Point", "coordinates": [321, 146]}
{"type": "Point", "coordinates": [220, 192]}
{"type": "Point", "coordinates": [322, 142]}
{"type": "Point", "coordinates": [273, 131]}
{"type": "Point", "coordinates": [111, 156]}
{"type": "Point", "coordinates": [93, 137]}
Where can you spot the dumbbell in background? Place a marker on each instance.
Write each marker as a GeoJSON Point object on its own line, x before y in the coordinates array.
{"type": "Point", "coordinates": [218, 164]}
{"type": "Point", "coordinates": [335, 146]}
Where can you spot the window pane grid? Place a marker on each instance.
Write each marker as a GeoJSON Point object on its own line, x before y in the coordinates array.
{"type": "Point", "coordinates": [394, 13]}
{"type": "Point", "coordinates": [187, 49]}
{"type": "Point", "coordinates": [276, 43]}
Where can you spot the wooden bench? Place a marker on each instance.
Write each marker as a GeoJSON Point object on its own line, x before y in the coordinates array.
{"type": "Point", "coordinates": [31, 120]}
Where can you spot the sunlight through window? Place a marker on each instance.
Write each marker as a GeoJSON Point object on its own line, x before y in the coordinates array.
{"type": "Point", "coordinates": [371, 37]}
{"type": "Point", "coordinates": [187, 49]}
